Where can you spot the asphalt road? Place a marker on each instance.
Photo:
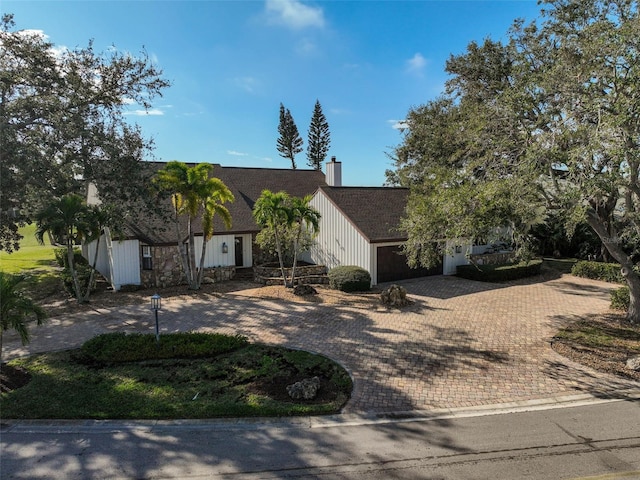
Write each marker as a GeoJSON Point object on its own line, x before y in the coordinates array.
{"type": "Point", "coordinates": [595, 442]}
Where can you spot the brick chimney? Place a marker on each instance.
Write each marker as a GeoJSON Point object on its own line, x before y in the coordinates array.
{"type": "Point", "coordinates": [333, 177]}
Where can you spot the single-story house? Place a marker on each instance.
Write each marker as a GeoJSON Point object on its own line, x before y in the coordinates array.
{"type": "Point", "coordinates": [359, 226]}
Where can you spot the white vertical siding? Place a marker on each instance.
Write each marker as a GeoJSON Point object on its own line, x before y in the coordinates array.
{"type": "Point", "coordinates": [338, 242]}
{"type": "Point", "coordinates": [102, 264]}
{"type": "Point", "coordinates": [457, 252]}
{"type": "Point", "coordinates": [247, 250]}
{"type": "Point", "coordinates": [213, 255]}
{"type": "Point", "coordinates": [125, 263]}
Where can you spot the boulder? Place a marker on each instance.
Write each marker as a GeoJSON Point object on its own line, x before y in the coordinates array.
{"type": "Point", "coordinates": [302, 290]}
{"type": "Point", "coordinates": [633, 363]}
{"type": "Point", "coordinates": [305, 389]}
{"type": "Point", "coordinates": [394, 296]}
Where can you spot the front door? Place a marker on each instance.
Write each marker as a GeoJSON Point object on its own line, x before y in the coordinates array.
{"type": "Point", "coordinates": [238, 251]}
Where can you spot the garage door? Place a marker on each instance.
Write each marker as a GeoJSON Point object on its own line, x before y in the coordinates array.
{"type": "Point", "coordinates": [392, 266]}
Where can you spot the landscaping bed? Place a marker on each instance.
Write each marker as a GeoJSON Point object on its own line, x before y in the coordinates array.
{"type": "Point", "coordinates": [602, 342]}
{"type": "Point", "coordinates": [244, 380]}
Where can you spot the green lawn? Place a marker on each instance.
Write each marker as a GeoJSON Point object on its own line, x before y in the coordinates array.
{"type": "Point", "coordinates": [31, 255]}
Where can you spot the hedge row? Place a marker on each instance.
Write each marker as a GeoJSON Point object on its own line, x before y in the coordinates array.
{"type": "Point", "coordinates": [133, 347]}
{"type": "Point", "coordinates": [607, 272]}
{"type": "Point", "coordinates": [499, 273]}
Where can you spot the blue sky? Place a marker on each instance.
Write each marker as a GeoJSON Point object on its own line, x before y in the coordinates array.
{"type": "Point", "coordinates": [231, 64]}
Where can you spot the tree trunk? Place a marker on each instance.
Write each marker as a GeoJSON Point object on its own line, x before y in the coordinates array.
{"type": "Point", "coordinates": [72, 269]}
{"type": "Point", "coordinates": [202, 255]}
{"type": "Point", "coordinates": [630, 276]}
{"type": "Point", "coordinates": [85, 298]}
{"type": "Point", "coordinates": [193, 274]}
{"type": "Point", "coordinates": [295, 256]}
{"type": "Point", "coordinates": [181, 249]}
{"type": "Point", "coordinates": [279, 249]}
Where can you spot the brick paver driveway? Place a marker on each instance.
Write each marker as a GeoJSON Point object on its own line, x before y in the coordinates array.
{"type": "Point", "coordinates": [462, 343]}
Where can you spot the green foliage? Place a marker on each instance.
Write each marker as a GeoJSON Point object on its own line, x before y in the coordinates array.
{"type": "Point", "coordinates": [134, 347]}
{"type": "Point", "coordinates": [16, 308]}
{"type": "Point", "coordinates": [62, 259]}
{"type": "Point", "coordinates": [288, 223]}
{"type": "Point", "coordinates": [266, 240]}
{"type": "Point", "coordinates": [319, 138]}
{"type": "Point", "coordinates": [349, 278]}
{"type": "Point", "coordinates": [84, 271]}
{"type": "Point", "coordinates": [620, 298]}
{"type": "Point", "coordinates": [60, 132]}
{"type": "Point", "coordinates": [289, 142]}
{"type": "Point", "coordinates": [540, 123]}
{"type": "Point", "coordinates": [607, 272]}
{"type": "Point", "coordinates": [499, 273]}
{"type": "Point", "coordinates": [195, 194]}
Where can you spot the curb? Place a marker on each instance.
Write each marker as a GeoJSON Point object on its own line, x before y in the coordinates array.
{"type": "Point", "coordinates": [329, 421]}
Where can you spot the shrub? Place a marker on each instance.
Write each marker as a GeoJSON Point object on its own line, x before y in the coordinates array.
{"type": "Point", "coordinates": [607, 272]}
{"type": "Point", "coordinates": [349, 278]}
{"type": "Point", "coordinates": [133, 347]}
{"type": "Point", "coordinates": [620, 298]}
{"type": "Point", "coordinates": [499, 273]}
{"type": "Point", "coordinates": [82, 268]}
{"type": "Point", "coordinates": [61, 257]}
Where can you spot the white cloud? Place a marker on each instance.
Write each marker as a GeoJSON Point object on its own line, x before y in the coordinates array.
{"type": "Point", "coordinates": [249, 84]}
{"type": "Point", "coordinates": [236, 154]}
{"type": "Point", "coordinates": [33, 33]}
{"type": "Point", "coordinates": [306, 47]}
{"type": "Point", "coordinates": [144, 113]}
{"type": "Point", "coordinates": [416, 64]}
{"type": "Point", "coordinates": [398, 124]}
{"type": "Point", "coordinates": [294, 14]}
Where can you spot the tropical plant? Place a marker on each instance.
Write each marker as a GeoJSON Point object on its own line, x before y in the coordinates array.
{"type": "Point", "coordinates": [194, 193]}
{"type": "Point", "coordinates": [289, 142]}
{"type": "Point", "coordinates": [16, 309]}
{"type": "Point", "coordinates": [271, 210]}
{"type": "Point", "coordinates": [305, 218]}
{"type": "Point", "coordinates": [319, 138]}
{"type": "Point", "coordinates": [67, 221]}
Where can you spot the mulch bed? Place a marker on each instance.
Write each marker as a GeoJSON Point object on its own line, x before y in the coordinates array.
{"type": "Point", "coordinates": [609, 358]}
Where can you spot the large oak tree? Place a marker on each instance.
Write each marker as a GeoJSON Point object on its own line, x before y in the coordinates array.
{"type": "Point", "coordinates": [62, 125]}
{"type": "Point", "coordinates": [546, 122]}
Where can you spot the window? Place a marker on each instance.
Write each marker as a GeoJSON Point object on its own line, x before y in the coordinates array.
{"type": "Point", "coordinates": [147, 263]}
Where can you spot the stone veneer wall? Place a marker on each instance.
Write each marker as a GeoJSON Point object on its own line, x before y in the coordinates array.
{"type": "Point", "coordinates": [305, 274]}
{"type": "Point", "coordinates": [167, 270]}
{"type": "Point", "coordinates": [500, 258]}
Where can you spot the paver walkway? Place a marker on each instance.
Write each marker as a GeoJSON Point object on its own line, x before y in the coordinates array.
{"type": "Point", "coordinates": [462, 344]}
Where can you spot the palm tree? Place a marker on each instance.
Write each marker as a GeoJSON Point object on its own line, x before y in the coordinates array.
{"type": "Point", "coordinates": [16, 308]}
{"type": "Point", "coordinates": [193, 193]}
{"type": "Point", "coordinates": [272, 210]}
{"type": "Point", "coordinates": [66, 220]}
{"type": "Point", "coordinates": [211, 196]}
{"type": "Point", "coordinates": [305, 216]}
{"type": "Point", "coordinates": [97, 219]}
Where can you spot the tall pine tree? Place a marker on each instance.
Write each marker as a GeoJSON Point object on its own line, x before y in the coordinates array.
{"type": "Point", "coordinates": [319, 138]}
{"type": "Point", "coordinates": [290, 141]}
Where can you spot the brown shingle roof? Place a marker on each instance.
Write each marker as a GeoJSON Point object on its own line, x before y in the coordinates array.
{"type": "Point", "coordinates": [246, 184]}
{"type": "Point", "coordinates": [374, 211]}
